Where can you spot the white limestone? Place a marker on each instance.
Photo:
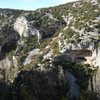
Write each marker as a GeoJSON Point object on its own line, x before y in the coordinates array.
{"type": "Point", "coordinates": [21, 26]}
{"type": "Point", "coordinates": [30, 55]}
{"type": "Point", "coordinates": [48, 55]}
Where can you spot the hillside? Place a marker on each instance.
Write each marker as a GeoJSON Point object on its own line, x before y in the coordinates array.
{"type": "Point", "coordinates": [51, 53]}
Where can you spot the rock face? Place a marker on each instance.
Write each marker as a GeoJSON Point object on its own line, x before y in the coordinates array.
{"type": "Point", "coordinates": [89, 55]}
{"type": "Point", "coordinates": [74, 89]}
{"type": "Point", "coordinates": [30, 55]}
{"type": "Point", "coordinates": [8, 37]}
{"type": "Point", "coordinates": [97, 84]}
{"type": "Point", "coordinates": [5, 65]}
{"type": "Point", "coordinates": [96, 57]}
{"type": "Point", "coordinates": [25, 29]}
{"type": "Point", "coordinates": [21, 26]}
{"type": "Point", "coordinates": [33, 44]}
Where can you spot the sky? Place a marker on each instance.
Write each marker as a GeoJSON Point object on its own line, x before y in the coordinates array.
{"type": "Point", "coordinates": [31, 4]}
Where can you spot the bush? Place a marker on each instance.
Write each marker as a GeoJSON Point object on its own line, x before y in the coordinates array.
{"type": "Point", "coordinates": [55, 47]}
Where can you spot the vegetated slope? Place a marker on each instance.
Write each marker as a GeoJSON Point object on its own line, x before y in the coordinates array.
{"type": "Point", "coordinates": [56, 41]}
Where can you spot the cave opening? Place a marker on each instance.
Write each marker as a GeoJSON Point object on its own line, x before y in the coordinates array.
{"type": "Point", "coordinates": [80, 59]}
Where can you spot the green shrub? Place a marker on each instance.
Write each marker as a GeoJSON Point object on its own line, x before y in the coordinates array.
{"type": "Point", "coordinates": [68, 33]}
{"type": "Point", "coordinates": [39, 58]}
{"type": "Point", "coordinates": [55, 47]}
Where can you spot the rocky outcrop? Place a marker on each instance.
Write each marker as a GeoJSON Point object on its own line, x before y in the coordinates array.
{"type": "Point", "coordinates": [87, 53]}
{"type": "Point", "coordinates": [30, 55]}
{"type": "Point", "coordinates": [96, 57]}
{"type": "Point", "coordinates": [94, 85]}
{"type": "Point", "coordinates": [5, 65]}
{"type": "Point", "coordinates": [21, 26]}
{"type": "Point", "coordinates": [25, 29]}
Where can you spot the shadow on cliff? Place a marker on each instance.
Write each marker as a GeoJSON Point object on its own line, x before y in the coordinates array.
{"type": "Point", "coordinates": [5, 91]}
{"type": "Point", "coordinates": [8, 38]}
{"type": "Point", "coordinates": [8, 43]}
{"type": "Point", "coordinates": [37, 85]}
{"type": "Point", "coordinates": [43, 85]}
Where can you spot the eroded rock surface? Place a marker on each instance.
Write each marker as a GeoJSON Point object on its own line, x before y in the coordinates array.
{"type": "Point", "coordinates": [33, 44]}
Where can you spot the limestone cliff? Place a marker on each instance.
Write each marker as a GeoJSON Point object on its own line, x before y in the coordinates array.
{"type": "Point", "coordinates": [41, 50]}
